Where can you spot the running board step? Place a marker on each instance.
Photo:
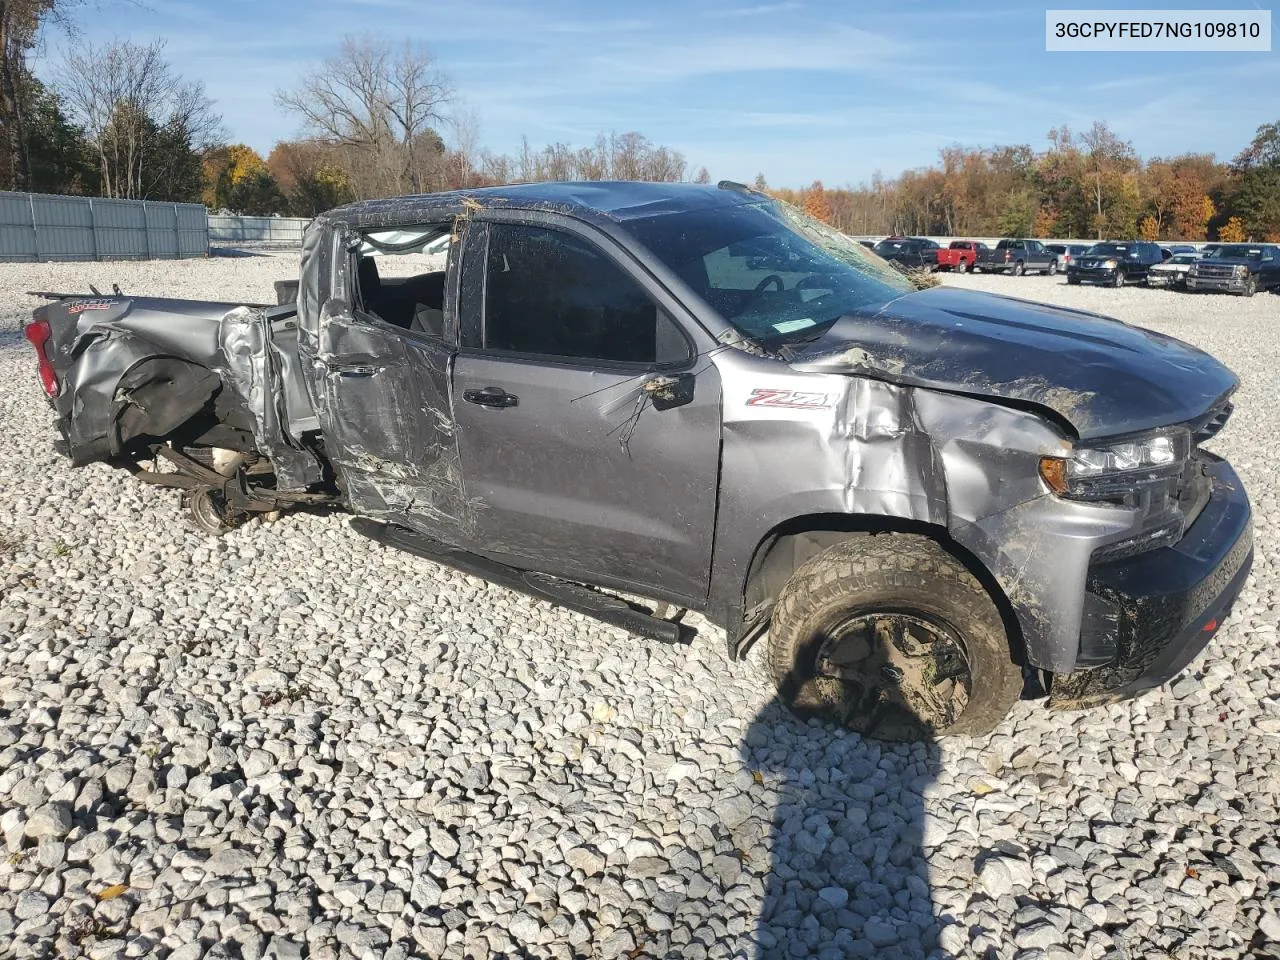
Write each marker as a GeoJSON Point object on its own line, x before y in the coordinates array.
{"type": "Point", "coordinates": [594, 603]}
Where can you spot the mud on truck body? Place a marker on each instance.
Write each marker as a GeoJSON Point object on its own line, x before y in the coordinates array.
{"type": "Point", "coordinates": [930, 501]}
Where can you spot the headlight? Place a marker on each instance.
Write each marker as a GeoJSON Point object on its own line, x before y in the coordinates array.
{"type": "Point", "coordinates": [1239, 270]}
{"type": "Point", "coordinates": [1111, 471]}
{"type": "Point", "coordinates": [1110, 264]}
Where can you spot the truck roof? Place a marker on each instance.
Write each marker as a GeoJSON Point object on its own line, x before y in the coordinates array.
{"type": "Point", "coordinates": [616, 200]}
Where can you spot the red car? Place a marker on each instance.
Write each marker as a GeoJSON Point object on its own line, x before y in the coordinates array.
{"type": "Point", "coordinates": [960, 256]}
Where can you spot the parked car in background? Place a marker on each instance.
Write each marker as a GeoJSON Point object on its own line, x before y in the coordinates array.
{"type": "Point", "coordinates": [1115, 263]}
{"type": "Point", "coordinates": [909, 253]}
{"type": "Point", "coordinates": [960, 255]}
{"type": "Point", "coordinates": [1173, 272]}
{"type": "Point", "coordinates": [1208, 248]}
{"type": "Point", "coordinates": [1067, 252]}
{"type": "Point", "coordinates": [869, 244]}
{"type": "Point", "coordinates": [1242, 268]}
{"type": "Point", "coordinates": [1019, 256]}
{"type": "Point", "coordinates": [1175, 249]}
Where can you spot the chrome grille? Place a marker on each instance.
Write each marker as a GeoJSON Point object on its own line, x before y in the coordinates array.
{"type": "Point", "coordinates": [1215, 271]}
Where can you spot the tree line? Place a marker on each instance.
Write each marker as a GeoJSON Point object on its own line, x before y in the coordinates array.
{"type": "Point", "coordinates": [381, 119]}
{"type": "Point", "coordinates": [377, 117]}
{"type": "Point", "coordinates": [1083, 185]}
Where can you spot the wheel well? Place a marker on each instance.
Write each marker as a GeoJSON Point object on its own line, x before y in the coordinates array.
{"type": "Point", "coordinates": [168, 398]}
{"type": "Point", "coordinates": [789, 545]}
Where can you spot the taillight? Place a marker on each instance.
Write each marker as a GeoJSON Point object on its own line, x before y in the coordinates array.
{"type": "Point", "coordinates": [38, 334]}
{"type": "Point", "coordinates": [1008, 255]}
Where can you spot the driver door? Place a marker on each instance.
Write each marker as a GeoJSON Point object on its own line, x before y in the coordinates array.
{"type": "Point", "coordinates": [574, 464]}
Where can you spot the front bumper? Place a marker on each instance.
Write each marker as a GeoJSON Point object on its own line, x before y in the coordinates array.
{"type": "Point", "coordinates": [1092, 274]}
{"type": "Point", "coordinates": [1157, 279]}
{"type": "Point", "coordinates": [1232, 284]}
{"type": "Point", "coordinates": [1167, 603]}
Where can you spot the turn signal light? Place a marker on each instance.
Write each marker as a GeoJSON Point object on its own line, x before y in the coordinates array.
{"type": "Point", "coordinates": [1053, 471]}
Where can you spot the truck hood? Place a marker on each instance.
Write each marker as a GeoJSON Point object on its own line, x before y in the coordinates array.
{"type": "Point", "coordinates": [1099, 376]}
{"type": "Point", "coordinates": [1230, 262]}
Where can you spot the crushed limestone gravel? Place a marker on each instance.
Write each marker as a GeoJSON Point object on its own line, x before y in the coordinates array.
{"type": "Point", "coordinates": [290, 742]}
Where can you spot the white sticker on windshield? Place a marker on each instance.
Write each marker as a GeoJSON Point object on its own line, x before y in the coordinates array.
{"type": "Point", "coordinates": [788, 325]}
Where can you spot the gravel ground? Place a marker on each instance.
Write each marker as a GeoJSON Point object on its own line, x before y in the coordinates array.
{"type": "Point", "coordinates": [235, 748]}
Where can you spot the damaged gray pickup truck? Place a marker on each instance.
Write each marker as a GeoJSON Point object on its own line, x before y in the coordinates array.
{"type": "Point", "coordinates": [634, 399]}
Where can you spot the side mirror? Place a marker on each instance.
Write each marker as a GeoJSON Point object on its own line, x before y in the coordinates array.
{"type": "Point", "coordinates": [669, 390]}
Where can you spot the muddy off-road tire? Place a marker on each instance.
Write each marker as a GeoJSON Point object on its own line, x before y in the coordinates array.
{"type": "Point", "coordinates": [892, 637]}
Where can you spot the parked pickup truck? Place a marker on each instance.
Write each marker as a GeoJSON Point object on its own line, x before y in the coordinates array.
{"type": "Point", "coordinates": [1240, 268]}
{"type": "Point", "coordinates": [909, 253]}
{"type": "Point", "coordinates": [1019, 256]}
{"type": "Point", "coordinates": [701, 396]}
{"type": "Point", "coordinates": [961, 255]}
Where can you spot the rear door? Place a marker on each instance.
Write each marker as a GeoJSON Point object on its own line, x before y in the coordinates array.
{"type": "Point", "coordinates": [386, 411]}
{"type": "Point", "coordinates": [577, 460]}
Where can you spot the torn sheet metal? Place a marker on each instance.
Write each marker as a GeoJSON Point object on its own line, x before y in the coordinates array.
{"type": "Point", "coordinates": [1101, 377]}
{"type": "Point", "coordinates": [252, 367]}
{"type": "Point", "coordinates": [880, 449]}
{"type": "Point", "coordinates": [126, 354]}
{"type": "Point", "coordinates": [385, 401]}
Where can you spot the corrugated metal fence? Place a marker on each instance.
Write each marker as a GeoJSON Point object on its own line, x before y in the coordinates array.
{"type": "Point", "coordinates": [36, 226]}
{"type": "Point", "coordinates": [232, 229]}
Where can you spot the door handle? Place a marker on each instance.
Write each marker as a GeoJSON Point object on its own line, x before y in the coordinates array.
{"type": "Point", "coordinates": [491, 397]}
{"type": "Point", "coordinates": [354, 369]}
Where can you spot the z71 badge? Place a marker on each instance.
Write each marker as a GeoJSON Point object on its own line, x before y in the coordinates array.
{"type": "Point", "coordinates": [796, 399]}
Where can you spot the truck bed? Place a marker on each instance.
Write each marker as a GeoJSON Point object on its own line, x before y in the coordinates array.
{"type": "Point", "coordinates": [129, 373]}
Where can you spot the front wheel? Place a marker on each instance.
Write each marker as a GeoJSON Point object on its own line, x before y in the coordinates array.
{"type": "Point", "coordinates": [1250, 286]}
{"type": "Point", "coordinates": [892, 637]}
{"type": "Point", "coordinates": [1118, 282]}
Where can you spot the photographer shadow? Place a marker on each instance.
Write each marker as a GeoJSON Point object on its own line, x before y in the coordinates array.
{"type": "Point", "coordinates": [847, 875]}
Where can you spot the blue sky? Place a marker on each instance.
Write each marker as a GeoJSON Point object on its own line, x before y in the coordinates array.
{"type": "Point", "coordinates": [797, 89]}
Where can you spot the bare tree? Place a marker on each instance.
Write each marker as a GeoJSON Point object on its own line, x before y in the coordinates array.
{"type": "Point", "coordinates": [380, 105]}
{"type": "Point", "coordinates": [1109, 157]}
{"type": "Point", "coordinates": [146, 123]}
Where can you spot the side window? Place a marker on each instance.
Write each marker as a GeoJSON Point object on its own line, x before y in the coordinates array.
{"type": "Point", "coordinates": [399, 276]}
{"type": "Point", "coordinates": [552, 294]}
